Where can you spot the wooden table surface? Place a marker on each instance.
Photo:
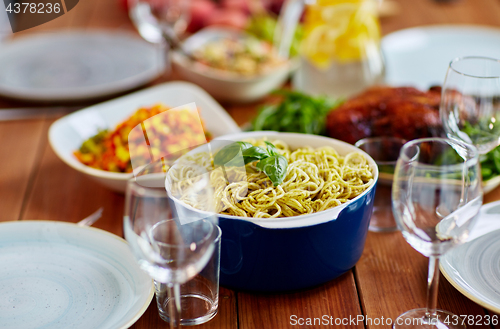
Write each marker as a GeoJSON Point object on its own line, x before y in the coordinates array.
{"type": "Point", "coordinates": [390, 277]}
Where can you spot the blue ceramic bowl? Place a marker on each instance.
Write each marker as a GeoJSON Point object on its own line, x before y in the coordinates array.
{"type": "Point", "coordinates": [298, 252]}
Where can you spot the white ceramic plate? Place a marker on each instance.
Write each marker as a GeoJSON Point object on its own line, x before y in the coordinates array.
{"type": "Point", "coordinates": [59, 275]}
{"type": "Point", "coordinates": [420, 56]}
{"type": "Point", "coordinates": [76, 65]}
{"type": "Point", "coordinates": [68, 133]}
{"type": "Point", "coordinates": [474, 267]}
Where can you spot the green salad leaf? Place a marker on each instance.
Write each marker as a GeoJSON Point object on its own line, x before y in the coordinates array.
{"type": "Point", "coordinates": [486, 131]}
{"type": "Point", "coordinates": [297, 112]}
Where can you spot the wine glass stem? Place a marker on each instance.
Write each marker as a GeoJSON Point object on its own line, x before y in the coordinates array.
{"type": "Point", "coordinates": [432, 288]}
{"type": "Point", "coordinates": [174, 294]}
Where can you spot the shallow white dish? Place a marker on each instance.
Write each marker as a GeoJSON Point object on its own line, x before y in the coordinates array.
{"type": "Point", "coordinates": [474, 267]}
{"type": "Point", "coordinates": [76, 65]}
{"type": "Point", "coordinates": [68, 133]}
{"type": "Point", "coordinates": [60, 275]}
{"type": "Point", "coordinates": [226, 86]}
{"type": "Point", "coordinates": [420, 56]}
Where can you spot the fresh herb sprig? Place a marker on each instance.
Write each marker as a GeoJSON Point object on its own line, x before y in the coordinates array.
{"type": "Point", "coordinates": [270, 161]}
{"type": "Point", "coordinates": [297, 112]}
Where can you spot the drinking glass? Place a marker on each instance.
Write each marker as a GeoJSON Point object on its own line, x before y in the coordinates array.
{"type": "Point", "coordinates": [470, 102]}
{"type": "Point", "coordinates": [436, 196]}
{"type": "Point", "coordinates": [157, 19]}
{"type": "Point", "coordinates": [171, 241]}
{"type": "Point", "coordinates": [385, 152]}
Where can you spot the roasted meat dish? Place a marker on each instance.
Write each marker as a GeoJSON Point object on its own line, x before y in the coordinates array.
{"type": "Point", "coordinates": [403, 112]}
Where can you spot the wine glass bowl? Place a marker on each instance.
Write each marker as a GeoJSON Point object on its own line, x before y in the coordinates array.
{"type": "Point", "coordinates": [470, 102]}
{"type": "Point", "coordinates": [436, 196]}
{"type": "Point", "coordinates": [154, 18]}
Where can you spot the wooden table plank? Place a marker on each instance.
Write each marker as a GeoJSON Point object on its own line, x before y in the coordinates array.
{"type": "Point", "coordinates": [225, 319]}
{"type": "Point", "coordinates": [19, 146]}
{"type": "Point", "coordinates": [336, 299]}
{"type": "Point", "coordinates": [392, 279]}
{"type": "Point", "coordinates": [61, 193]}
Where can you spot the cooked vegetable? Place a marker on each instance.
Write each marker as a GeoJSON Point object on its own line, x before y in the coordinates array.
{"type": "Point", "coordinates": [169, 133]}
{"type": "Point", "coordinates": [297, 112]}
{"type": "Point", "coordinates": [244, 56]}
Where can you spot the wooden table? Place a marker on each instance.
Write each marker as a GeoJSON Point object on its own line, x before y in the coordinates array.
{"type": "Point", "coordinates": [390, 277]}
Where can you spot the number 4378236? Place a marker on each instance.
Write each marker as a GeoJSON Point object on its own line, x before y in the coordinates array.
{"type": "Point", "coordinates": [33, 8]}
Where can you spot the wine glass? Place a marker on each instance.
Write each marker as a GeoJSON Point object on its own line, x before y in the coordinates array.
{"type": "Point", "coordinates": [470, 102]}
{"type": "Point", "coordinates": [154, 19]}
{"type": "Point", "coordinates": [436, 196]}
{"type": "Point", "coordinates": [171, 240]}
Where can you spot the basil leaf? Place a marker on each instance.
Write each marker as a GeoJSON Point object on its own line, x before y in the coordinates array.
{"type": "Point", "coordinates": [227, 153]}
{"type": "Point", "coordinates": [244, 145]}
{"type": "Point", "coordinates": [271, 149]}
{"type": "Point", "coordinates": [274, 167]}
{"type": "Point", "coordinates": [254, 153]}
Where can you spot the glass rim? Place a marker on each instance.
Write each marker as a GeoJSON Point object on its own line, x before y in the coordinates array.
{"type": "Point", "coordinates": [378, 139]}
{"type": "Point", "coordinates": [141, 190]}
{"type": "Point", "coordinates": [449, 141]}
{"type": "Point", "coordinates": [457, 59]}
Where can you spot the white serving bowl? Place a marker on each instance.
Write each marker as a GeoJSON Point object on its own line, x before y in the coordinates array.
{"type": "Point", "coordinates": [67, 134]}
{"type": "Point", "coordinates": [222, 85]}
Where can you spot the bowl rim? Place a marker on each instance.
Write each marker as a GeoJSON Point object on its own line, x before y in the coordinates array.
{"type": "Point", "coordinates": [178, 58]}
{"type": "Point", "coordinates": [306, 219]}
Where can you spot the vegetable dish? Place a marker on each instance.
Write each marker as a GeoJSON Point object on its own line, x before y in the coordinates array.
{"type": "Point", "coordinates": [173, 132]}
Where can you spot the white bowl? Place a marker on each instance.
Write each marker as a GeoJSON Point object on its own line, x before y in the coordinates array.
{"type": "Point", "coordinates": [223, 85]}
{"type": "Point", "coordinates": [68, 133]}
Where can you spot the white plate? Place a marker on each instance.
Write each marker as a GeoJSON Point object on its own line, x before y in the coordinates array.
{"type": "Point", "coordinates": [474, 267]}
{"type": "Point", "coordinates": [68, 133]}
{"type": "Point", "coordinates": [420, 56]}
{"type": "Point", "coordinates": [76, 65]}
{"type": "Point", "coordinates": [59, 275]}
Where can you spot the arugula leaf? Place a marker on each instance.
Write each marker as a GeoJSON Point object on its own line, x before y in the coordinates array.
{"type": "Point", "coordinates": [274, 167]}
{"type": "Point", "coordinates": [297, 112]}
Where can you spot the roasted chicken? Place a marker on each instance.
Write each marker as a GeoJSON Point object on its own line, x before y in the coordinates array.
{"type": "Point", "coordinates": [403, 112]}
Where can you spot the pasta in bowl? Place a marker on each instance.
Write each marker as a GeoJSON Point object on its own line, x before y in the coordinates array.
{"type": "Point", "coordinates": [306, 230]}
